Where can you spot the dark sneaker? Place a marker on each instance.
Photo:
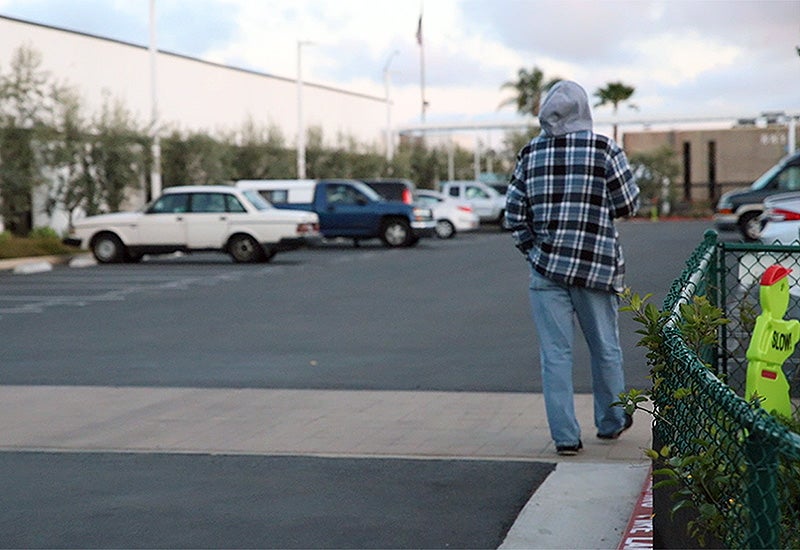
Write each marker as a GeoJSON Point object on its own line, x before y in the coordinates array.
{"type": "Point", "coordinates": [615, 435]}
{"type": "Point", "coordinates": [569, 450]}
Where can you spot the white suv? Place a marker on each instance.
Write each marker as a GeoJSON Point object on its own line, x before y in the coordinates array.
{"type": "Point", "coordinates": [485, 201]}
{"type": "Point", "coordinates": [194, 218]}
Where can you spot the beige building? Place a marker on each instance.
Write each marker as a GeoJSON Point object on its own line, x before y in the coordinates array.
{"type": "Point", "coordinates": [714, 161]}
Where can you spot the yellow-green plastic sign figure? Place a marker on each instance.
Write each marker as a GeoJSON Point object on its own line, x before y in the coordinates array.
{"type": "Point", "coordinates": [773, 341]}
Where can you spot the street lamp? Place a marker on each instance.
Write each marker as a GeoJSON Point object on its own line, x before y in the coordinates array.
{"type": "Point", "coordinates": [386, 82]}
{"type": "Point", "coordinates": [155, 147]}
{"type": "Point", "coordinates": [301, 127]}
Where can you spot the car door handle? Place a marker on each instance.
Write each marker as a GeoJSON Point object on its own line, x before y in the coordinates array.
{"type": "Point", "coordinates": [223, 218]}
{"type": "Point", "coordinates": [179, 218]}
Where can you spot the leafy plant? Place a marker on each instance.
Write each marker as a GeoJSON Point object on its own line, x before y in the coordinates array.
{"type": "Point", "coordinates": [699, 326]}
{"type": "Point", "coordinates": [655, 173]}
{"type": "Point", "coordinates": [651, 320]}
{"type": "Point", "coordinates": [42, 242]}
{"type": "Point", "coordinates": [704, 477]}
{"type": "Point", "coordinates": [43, 233]}
{"type": "Point", "coordinates": [700, 481]}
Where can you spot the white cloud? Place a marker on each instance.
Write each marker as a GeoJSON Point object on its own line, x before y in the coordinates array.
{"type": "Point", "coordinates": [269, 32]}
{"type": "Point", "coordinates": [681, 57]}
{"type": "Point", "coordinates": [673, 59]}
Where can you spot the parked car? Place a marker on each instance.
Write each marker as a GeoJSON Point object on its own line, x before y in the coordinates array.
{"type": "Point", "coordinates": [781, 219]}
{"type": "Point", "coordinates": [485, 201]}
{"type": "Point", "coordinates": [350, 209]}
{"type": "Point", "coordinates": [496, 180]}
{"type": "Point", "coordinates": [501, 188]}
{"type": "Point", "coordinates": [451, 216]}
{"type": "Point", "coordinates": [741, 209]}
{"type": "Point", "coordinates": [196, 218]}
{"type": "Point", "coordinates": [401, 190]}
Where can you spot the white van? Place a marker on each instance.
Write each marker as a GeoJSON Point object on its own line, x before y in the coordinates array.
{"type": "Point", "coordinates": [282, 191]}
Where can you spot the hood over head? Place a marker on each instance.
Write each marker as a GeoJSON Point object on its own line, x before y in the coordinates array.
{"type": "Point", "coordinates": [565, 109]}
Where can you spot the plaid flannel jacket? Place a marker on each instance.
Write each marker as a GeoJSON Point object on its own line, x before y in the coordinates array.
{"type": "Point", "coordinates": [561, 203]}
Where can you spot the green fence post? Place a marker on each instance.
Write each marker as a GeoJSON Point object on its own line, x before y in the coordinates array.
{"type": "Point", "coordinates": [718, 297]}
{"type": "Point", "coordinates": [762, 492]}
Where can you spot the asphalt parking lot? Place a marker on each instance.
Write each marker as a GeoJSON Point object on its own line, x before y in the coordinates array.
{"type": "Point", "coordinates": [447, 316]}
{"type": "Point", "coordinates": [135, 500]}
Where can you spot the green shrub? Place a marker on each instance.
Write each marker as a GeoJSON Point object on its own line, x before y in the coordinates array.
{"type": "Point", "coordinates": [45, 243]}
{"type": "Point", "coordinates": [43, 233]}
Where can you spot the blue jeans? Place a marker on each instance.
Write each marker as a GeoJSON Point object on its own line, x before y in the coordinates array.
{"type": "Point", "coordinates": [554, 307]}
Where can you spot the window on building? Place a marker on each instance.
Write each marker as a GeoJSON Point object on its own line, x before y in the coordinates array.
{"type": "Point", "coordinates": [687, 171]}
{"type": "Point", "coordinates": [712, 170]}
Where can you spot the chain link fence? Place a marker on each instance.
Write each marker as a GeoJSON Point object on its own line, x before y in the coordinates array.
{"type": "Point", "coordinates": [745, 471]}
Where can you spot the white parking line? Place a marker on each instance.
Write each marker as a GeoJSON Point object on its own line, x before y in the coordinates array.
{"type": "Point", "coordinates": [107, 291]}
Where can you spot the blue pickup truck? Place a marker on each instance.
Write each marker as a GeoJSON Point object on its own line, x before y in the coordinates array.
{"type": "Point", "coordinates": [349, 208]}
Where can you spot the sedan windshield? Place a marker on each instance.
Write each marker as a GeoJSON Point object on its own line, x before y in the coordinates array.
{"type": "Point", "coordinates": [255, 198]}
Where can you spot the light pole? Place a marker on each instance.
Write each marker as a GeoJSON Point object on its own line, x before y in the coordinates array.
{"type": "Point", "coordinates": [155, 147]}
{"type": "Point", "coordinates": [386, 82]}
{"type": "Point", "coordinates": [301, 127]}
{"type": "Point", "coordinates": [476, 159]}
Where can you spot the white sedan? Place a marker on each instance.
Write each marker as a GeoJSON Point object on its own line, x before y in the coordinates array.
{"type": "Point", "coordinates": [197, 218]}
{"type": "Point", "coordinates": [781, 219]}
{"type": "Point", "coordinates": [451, 216]}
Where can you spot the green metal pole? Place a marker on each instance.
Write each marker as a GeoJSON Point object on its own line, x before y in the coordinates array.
{"type": "Point", "coordinates": [762, 493]}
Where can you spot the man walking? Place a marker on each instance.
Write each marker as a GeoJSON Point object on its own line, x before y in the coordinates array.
{"type": "Point", "coordinates": [567, 187]}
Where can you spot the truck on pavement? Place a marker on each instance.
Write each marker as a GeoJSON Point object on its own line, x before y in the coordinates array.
{"type": "Point", "coordinates": [741, 209]}
{"type": "Point", "coordinates": [350, 209]}
{"type": "Point", "coordinates": [489, 204]}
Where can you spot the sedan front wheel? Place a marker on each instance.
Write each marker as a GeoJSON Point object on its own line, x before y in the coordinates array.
{"type": "Point", "coordinates": [245, 249]}
{"type": "Point", "coordinates": [108, 249]}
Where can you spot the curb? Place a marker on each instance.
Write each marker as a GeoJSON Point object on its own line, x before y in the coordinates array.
{"type": "Point", "coordinates": [38, 264]}
{"type": "Point", "coordinates": [639, 532]}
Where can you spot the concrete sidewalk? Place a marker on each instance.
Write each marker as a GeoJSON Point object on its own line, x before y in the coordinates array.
{"type": "Point", "coordinates": [585, 503]}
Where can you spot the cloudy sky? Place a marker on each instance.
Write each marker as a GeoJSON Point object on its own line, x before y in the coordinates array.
{"type": "Point", "coordinates": [685, 59]}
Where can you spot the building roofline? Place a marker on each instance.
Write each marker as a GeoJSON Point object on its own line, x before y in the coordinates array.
{"type": "Point", "coordinates": [196, 59]}
{"type": "Point", "coordinates": [529, 122]}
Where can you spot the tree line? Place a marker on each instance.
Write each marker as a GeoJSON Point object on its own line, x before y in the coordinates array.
{"type": "Point", "coordinates": [92, 162]}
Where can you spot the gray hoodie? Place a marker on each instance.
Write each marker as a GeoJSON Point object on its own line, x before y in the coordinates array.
{"type": "Point", "coordinates": [565, 109]}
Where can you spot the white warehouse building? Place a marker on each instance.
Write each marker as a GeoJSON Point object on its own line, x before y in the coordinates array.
{"type": "Point", "coordinates": [192, 94]}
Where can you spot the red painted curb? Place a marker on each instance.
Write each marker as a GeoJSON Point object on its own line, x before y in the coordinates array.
{"type": "Point", "coordinates": [639, 532]}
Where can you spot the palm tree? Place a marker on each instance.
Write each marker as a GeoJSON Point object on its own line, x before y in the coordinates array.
{"type": "Point", "coordinates": [614, 93]}
{"type": "Point", "coordinates": [529, 89]}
